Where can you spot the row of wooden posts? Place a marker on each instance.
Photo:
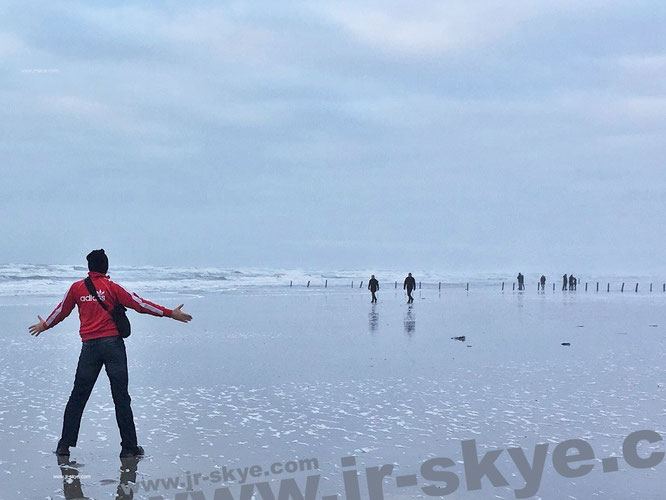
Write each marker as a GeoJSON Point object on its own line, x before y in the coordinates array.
{"type": "Point", "coordinates": [663, 287]}
{"type": "Point", "coordinates": [291, 284]}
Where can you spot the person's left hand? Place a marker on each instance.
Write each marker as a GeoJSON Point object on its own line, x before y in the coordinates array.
{"type": "Point", "coordinates": [37, 328]}
{"type": "Point", "coordinates": [179, 315]}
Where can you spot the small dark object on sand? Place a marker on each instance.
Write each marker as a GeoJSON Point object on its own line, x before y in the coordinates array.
{"type": "Point", "coordinates": [461, 338]}
{"type": "Point", "coordinates": [566, 343]}
{"type": "Point", "coordinates": [469, 345]}
{"type": "Point", "coordinates": [654, 326]}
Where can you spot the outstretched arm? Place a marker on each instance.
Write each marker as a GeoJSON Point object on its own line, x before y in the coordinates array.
{"type": "Point", "coordinates": [143, 306]}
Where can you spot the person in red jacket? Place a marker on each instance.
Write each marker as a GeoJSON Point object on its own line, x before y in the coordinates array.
{"type": "Point", "coordinates": [102, 346]}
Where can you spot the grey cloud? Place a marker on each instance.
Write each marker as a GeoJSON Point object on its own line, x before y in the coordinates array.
{"type": "Point", "coordinates": [310, 128]}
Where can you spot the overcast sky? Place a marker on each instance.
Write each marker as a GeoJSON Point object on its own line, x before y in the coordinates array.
{"type": "Point", "coordinates": [461, 135]}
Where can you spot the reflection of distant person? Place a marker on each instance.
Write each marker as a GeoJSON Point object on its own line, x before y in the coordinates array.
{"type": "Point", "coordinates": [410, 321]}
{"type": "Point", "coordinates": [373, 286]}
{"type": "Point", "coordinates": [564, 282]}
{"type": "Point", "coordinates": [409, 285]}
{"type": "Point", "coordinates": [373, 318]}
{"type": "Point", "coordinates": [521, 282]}
{"type": "Point", "coordinates": [542, 280]}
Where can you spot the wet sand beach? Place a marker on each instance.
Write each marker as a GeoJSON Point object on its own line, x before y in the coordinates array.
{"type": "Point", "coordinates": [267, 375]}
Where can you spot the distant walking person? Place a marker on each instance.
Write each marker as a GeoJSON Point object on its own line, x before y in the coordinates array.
{"type": "Point", "coordinates": [521, 282]}
{"type": "Point", "coordinates": [373, 286]}
{"type": "Point", "coordinates": [409, 285]}
{"type": "Point", "coordinates": [542, 280]}
{"type": "Point", "coordinates": [564, 282]}
{"type": "Point", "coordinates": [102, 346]}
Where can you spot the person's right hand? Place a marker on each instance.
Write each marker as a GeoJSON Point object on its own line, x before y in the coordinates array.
{"type": "Point", "coordinates": [179, 315]}
{"type": "Point", "coordinates": [37, 328]}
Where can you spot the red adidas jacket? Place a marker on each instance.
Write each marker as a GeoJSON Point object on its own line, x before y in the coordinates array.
{"type": "Point", "coordinates": [95, 321]}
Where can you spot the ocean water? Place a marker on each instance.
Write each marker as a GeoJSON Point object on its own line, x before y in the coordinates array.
{"type": "Point", "coordinates": [267, 373]}
{"type": "Point", "coordinates": [44, 280]}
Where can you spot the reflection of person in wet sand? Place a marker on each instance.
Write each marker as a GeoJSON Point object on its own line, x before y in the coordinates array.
{"type": "Point", "coordinates": [71, 480]}
{"type": "Point", "coordinates": [410, 321]}
{"type": "Point", "coordinates": [373, 319]}
{"type": "Point", "coordinates": [373, 286]}
{"type": "Point", "coordinates": [409, 285]}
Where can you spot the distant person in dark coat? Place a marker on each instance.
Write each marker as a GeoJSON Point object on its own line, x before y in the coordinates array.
{"type": "Point", "coordinates": [572, 282]}
{"type": "Point", "coordinates": [373, 286]}
{"type": "Point", "coordinates": [521, 282]}
{"type": "Point", "coordinates": [564, 282]}
{"type": "Point", "coordinates": [543, 282]}
{"type": "Point", "coordinates": [409, 285]}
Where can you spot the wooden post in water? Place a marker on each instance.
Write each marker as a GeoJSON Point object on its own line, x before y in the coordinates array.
{"type": "Point", "coordinates": [291, 283]}
{"type": "Point", "coordinates": [502, 286]}
{"type": "Point", "coordinates": [636, 290]}
{"type": "Point", "coordinates": [440, 286]}
{"type": "Point", "coordinates": [622, 289]}
{"type": "Point", "coordinates": [396, 285]}
{"type": "Point", "coordinates": [467, 287]}
{"type": "Point", "coordinates": [597, 286]}
{"type": "Point", "coordinates": [650, 287]}
{"type": "Point", "coordinates": [308, 285]}
{"type": "Point", "coordinates": [586, 286]}
{"type": "Point", "coordinates": [361, 285]}
{"type": "Point", "coordinates": [608, 288]}
{"type": "Point", "coordinates": [352, 284]}
{"type": "Point", "coordinates": [553, 287]}
{"type": "Point", "coordinates": [514, 285]}
{"type": "Point", "coordinates": [419, 285]}
{"type": "Point", "coordinates": [326, 284]}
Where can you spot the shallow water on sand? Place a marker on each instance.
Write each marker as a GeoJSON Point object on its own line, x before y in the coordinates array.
{"type": "Point", "coordinates": [272, 375]}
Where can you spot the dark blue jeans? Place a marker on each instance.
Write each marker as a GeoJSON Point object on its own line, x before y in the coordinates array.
{"type": "Point", "coordinates": [109, 352]}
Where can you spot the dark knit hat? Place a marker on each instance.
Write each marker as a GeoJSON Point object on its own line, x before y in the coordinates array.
{"type": "Point", "coordinates": [98, 261]}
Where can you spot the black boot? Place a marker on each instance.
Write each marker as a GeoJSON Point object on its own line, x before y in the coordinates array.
{"type": "Point", "coordinates": [62, 450]}
{"type": "Point", "coordinates": [136, 451]}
